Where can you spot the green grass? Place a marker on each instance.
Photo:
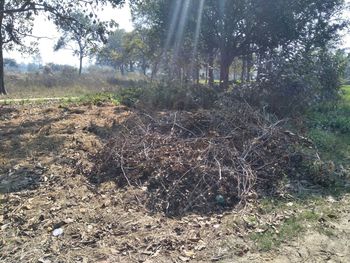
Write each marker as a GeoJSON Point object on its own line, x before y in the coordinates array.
{"type": "Point", "coordinates": [99, 98]}
{"type": "Point", "coordinates": [93, 98]}
{"type": "Point", "coordinates": [273, 238]}
{"type": "Point", "coordinates": [346, 93]}
{"type": "Point", "coordinates": [329, 128]}
{"type": "Point", "coordinates": [305, 214]}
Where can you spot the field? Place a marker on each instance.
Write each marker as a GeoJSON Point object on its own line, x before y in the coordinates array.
{"type": "Point", "coordinates": [44, 190]}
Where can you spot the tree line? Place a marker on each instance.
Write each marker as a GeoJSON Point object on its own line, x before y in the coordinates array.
{"type": "Point", "coordinates": [242, 39]}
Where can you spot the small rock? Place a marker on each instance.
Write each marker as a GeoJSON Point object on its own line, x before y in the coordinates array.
{"type": "Point", "coordinates": [5, 226]}
{"type": "Point", "coordinates": [184, 259]}
{"type": "Point", "coordinates": [331, 199]}
{"type": "Point", "coordinates": [200, 247]}
{"type": "Point", "coordinates": [57, 232]}
{"type": "Point", "coordinates": [68, 221]}
{"type": "Point", "coordinates": [188, 254]}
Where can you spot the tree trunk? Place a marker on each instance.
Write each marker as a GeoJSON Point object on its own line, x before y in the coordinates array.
{"type": "Point", "coordinates": [225, 63]}
{"type": "Point", "coordinates": [206, 74]}
{"type": "Point", "coordinates": [260, 65]}
{"type": "Point", "coordinates": [131, 66]}
{"type": "Point", "coordinates": [2, 82]}
{"type": "Point", "coordinates": [244, 68]}
{"type": "Point", "coordinates": [211, 69]}
{"type": "Point", "coordinates": [154, 70]}
{"type": "Point", "coordinates": [234, 71]}
{"type": "Point", "coordinates": [197, 74]}
{"type": "Point", "coordinates": [144, 67]}
{"type": "Point", "coordinates": [80, 64]}
{"type": "Point", "coordinates": [249, 66]}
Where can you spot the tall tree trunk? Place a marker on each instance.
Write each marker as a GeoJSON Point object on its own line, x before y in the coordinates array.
{"type": "Point", "coordinates": [154, 70]}
{"type": "Point", "coordinates": [80, 64]}
{"type": "Point", "coordinates": [244, 68]}
{"type": "Point", "coordinates": [225, 63]}
{"type": "Point", "coordinates": [234, 70]}
{"type": "Point", "coordinates": [211, 69]}
{"type": "Point", "coordinates": [206, 74]}
{"type": "Point", "coordinates": [131, 66]}
{"type": "Point", "coordinates": [260, 65]}
{"type": "Point", "coordinates": [2, 82]}
{"type": "Point", "coordinates": [144, 67]}
{"type": "Point", "coordinates": [249, 66]}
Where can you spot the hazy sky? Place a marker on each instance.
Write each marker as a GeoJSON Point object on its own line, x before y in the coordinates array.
{"type": "Point", "coordinates": [122, 16]}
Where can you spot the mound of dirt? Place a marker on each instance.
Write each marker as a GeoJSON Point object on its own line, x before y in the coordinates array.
{"type": "Point", "coordinates": [199, 162]}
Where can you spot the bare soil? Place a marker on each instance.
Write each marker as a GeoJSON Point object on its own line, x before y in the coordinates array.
{"type": "Point", "coordinates": [41, 190]}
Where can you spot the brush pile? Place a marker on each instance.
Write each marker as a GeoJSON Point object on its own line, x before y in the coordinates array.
{"type": "Point", "coordinates": [198, 162]}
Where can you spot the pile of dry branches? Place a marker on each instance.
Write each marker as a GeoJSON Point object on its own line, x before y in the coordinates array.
{"type": "Point", "coordinates": [200, 161]}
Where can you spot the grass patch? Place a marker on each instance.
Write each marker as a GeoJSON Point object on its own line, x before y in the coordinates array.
{"type": "Point", "coordinates": [329, 128]}
{"type": "Point", "coordinates": [307, 212]}
{"type": "Point", "coordinates": [99, 98]}
{"type": "Point", "coordinates": [273, 238]}
{"type": "Point", "coordinates": [346, 93]}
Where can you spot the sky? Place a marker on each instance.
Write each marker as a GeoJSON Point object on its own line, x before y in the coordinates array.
{"type": "Point", "coordinates": [122, 16]}
{"type": "Point", "coordinates": [44, 28]}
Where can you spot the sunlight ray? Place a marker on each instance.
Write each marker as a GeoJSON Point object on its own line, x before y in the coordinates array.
{"type": "Point", "coordinates": [198, 30]}
{"type": "Point", "coordinates": [173, 23]}
{"type": "Point", "coordinates": [181, 28]}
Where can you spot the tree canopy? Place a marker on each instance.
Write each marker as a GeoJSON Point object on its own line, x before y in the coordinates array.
{"type": "Point", "coordinates": [245, 29]}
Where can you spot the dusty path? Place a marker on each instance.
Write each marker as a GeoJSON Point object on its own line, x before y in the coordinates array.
{"type": "Point", "coordinates": [41, 189]}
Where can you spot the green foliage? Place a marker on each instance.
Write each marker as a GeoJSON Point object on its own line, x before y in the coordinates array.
{"type": "Point", "coordinates": [297, 83]}
{"type": "Point", "coordinates": [173, 95]}
{"type": "Point", "coordinates": [130, 96]}
{"type": "Point", "coordinates": [167, 95]}
{"type": "Point", "coordinates": [329, 128]}
{"type": "Point", "coordinates": [346, 94]}
{"type": "Point", "coordinates": [112, 54]}
{"type": "Point", "coordinates": [250, 30]}
{"type": "Point", "coordinates": [99, 98]}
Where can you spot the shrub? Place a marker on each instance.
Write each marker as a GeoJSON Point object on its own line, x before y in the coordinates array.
{"type": "Point", "coordinates": [169, 95]}
{"type": "Point", "coordinates": [172, 95]}
{"type": "Point", "coordinates": [294, 84]}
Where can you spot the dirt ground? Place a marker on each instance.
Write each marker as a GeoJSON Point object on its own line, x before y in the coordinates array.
{"type": "Point", "coordinates": [42, 191]}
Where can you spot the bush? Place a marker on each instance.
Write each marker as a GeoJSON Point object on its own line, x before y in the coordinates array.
{"type": "Point", "coordinates": [294, 84]}
{"type": "Point", "coordinates": [336, 120]}
{"type": "Point", "coordinates": [172, 95]}
{"type": "Point", "coordinates": [169, 95]}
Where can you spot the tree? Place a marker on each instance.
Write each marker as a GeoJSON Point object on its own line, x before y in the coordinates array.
{"type": "Point", "coordinates": [112, 54]}
{"type": "Point", "coordinates": [17, 20]}
{"type": "Point", "coordinates": [10, 63]}
{"type": "Point", "coordinates": [242, 29]}
{"type": "Point", "coordinates": [84, 33]}
{"type": "Point", "coordinates": [137, 50]}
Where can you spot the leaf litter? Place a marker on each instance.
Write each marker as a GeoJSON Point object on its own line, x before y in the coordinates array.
{"type": "Point", "coordinates": [47, 182]}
